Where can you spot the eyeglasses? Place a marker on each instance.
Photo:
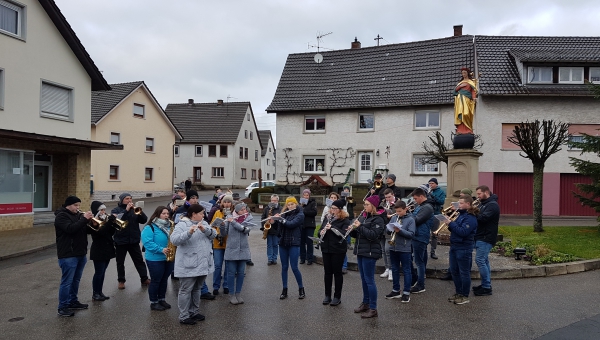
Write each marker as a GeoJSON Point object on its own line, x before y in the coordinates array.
{"type": "Point", "coordinates": [334, 208]}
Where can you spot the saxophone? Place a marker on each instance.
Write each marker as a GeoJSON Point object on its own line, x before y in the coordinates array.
{"type": "Point", "coordinates": [170, 247]}
{"type": "Point", "coordinates": [267, 225]}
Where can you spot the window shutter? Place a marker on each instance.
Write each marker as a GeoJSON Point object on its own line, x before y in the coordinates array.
{"type": "Point", "coordinates": [55, 100]}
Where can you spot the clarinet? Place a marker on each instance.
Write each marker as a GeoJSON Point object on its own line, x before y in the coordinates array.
{"type": "Point", "coordinates": [350, 228]}
{"type": "Point", "coordinates": [329, 220]}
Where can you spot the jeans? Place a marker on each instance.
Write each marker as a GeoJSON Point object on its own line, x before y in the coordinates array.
{"type": "Point", "coordinates": [397, 258]}
{"type": "Point", "coordinates": [289, 256]}
{"type": "Point", "coordinates": [272, 248]}
{"type": "Point", "coordinates": [306, 245]}
{"type": "Point", "coordinates": [345, 265]}
{"type": "Point", "coordinates": [385, 247]}
{"type": "Point", "coordinates": [366, 267]}
{"type": "Point", "coordinates": [420, 254]}
{"type": "Point", "coordinates": [159, 276]}
{"type": "Point", "coordinates": [461, 261]}
{"type": "Point", "coordinates": [136, 256]}
{"type": "Point", "coordinates": [99, 271]}
{"type": "Point", "coordinates": [72, 269]}
{"type": "Point", "coordinates": [332, 264]}
{"type": "Point", "coordinates": [482, 250]}
{"type": "Point", "coordinates": [188, 300]}
{"type": "Point", "coordinates": [235, 274]}
{"type": "Point", "coordinates": [218, 255]}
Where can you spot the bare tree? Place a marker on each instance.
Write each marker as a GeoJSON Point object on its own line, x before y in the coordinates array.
{"type": "Point", "coordinates": [436, 148]}
{"type": "Point", "coordinates": [538, 141]}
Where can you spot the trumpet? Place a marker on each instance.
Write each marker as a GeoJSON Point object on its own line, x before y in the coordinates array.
{"type": "Point", "coordinates": [139, 207]}
{"type": "Point", "coordinates": [96, 223]}
{"type": "Point", "coordinates": [378, 184]}
{"type": "Point", "coordinates": [444, 225]}
{"type": "Point", "coordinates": [392, 241]}
{"type": "Point", "coordinates": [120, 224]}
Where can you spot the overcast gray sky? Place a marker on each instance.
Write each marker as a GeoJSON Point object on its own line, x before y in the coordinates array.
{"type": "Point", "coordinates": [209, 50]}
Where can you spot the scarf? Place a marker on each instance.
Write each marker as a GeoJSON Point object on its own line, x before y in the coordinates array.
{"type": "Point", "coordinates": [164, 225]}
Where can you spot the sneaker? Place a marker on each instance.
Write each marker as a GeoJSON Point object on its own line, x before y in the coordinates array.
{"type": "Point", "coordinates": [335, 302]}
{"type": "Point", "coordinates": [207, 296]}
{"type": "Point", "coordinates": [78, 305]}
{"type": "Point", "coordinates": [164, 304]}
{"type": "Point", "coordinates": [461, 300]}
{"type": "Point", "coordinates": [65, 312]}
{"type": "Point", "coordinates": [390, 277]}
{"type": "Point", "coordinates": [483, 292]}
{"type": "Point", "coordinates": [269, 263]}
{"type": "Point", "coordinates": [215, 292]}
{"type": "Point", "coordinates": [121, 285]}
{"type": "Point", "coordinates": [344, 271]}
{"type": "Point", "coordinates": [146, 282]}
{"type": "Point", "coordinates": [416, 289]}
{"type": "Point", "coordinates": [250, 263]}
{"type": "Point", "coordinates": [157, 306]}
{"type": "Point", "coordinates": [302, 261]}
{"type": "Point", "coordinates": [385, 273]}
{"type": "Point", "coordinates": [225, 290]}
{"type": "Point", "coordinates": [405, 298]}
{"type": "Point", "coordinates": [393, 295]}
{"type": "Point", "coordinates": [188, 321]}
{"type": "Point", "coordinates": [453, 297]}
{"type": "Point", "coordinates": [474, 288]}
{"type": "Point", "coordinates": [446, 277]}
{"type": "Point", "coordinates": [198, 317]}
{"type": "Point", "coordinates": [433, 255]}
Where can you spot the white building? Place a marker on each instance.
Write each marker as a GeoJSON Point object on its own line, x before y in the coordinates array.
{"type": "Point", "coordinates": [267, 162]}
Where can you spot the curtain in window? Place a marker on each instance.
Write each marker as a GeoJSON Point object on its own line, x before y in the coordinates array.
{"type": "Point", "coordinates": [9, 17]}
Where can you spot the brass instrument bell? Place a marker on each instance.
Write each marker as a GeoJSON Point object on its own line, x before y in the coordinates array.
{"type": "Point", "coordinates": [139, 206]}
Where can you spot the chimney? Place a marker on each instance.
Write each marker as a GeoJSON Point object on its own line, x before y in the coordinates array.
{"type": "Point", "coordinates": [190, 102]}
{"type": "Point", "coordinates": [458, 30]}
{"type": "Point", "coordinates": [219, 102]}
{"type": "Point", "coordinates": [355, 44]}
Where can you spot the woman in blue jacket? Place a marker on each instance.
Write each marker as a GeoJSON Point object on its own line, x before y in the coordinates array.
{"type": "Point", "coordinates": [155, 238]}
{"type": "Point", "coordinates": [290, 230]}
{"type": "Point", "coordinates": [462, 241]}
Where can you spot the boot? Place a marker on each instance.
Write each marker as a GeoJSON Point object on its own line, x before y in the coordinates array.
{"type": "Point", "coordinates": [97, 297]}
{"type": "Point", "coordinates": [371, 313]}
{"type": "Point", "coordinates": [433, 255]}
{"type": "Point", "coordinates": [121, 285]}
{"type": "Point", "coordinates": [362, 308]}
{"type": "Point", "coordinates": [301, 293]}
{"type": "Point", "coordinates": [327, 300]}
{"type": "Point", "coordinates": [283, 294]}
{"type": "Point", "coordinates": [239, 298]}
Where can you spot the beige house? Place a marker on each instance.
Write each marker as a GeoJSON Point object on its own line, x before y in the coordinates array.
{"type": "Point", "coordinates": [46, 79]}
{"type": "Point", "coordinates": [130, 116]}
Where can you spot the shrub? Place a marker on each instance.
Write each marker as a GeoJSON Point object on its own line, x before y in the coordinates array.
{"type": "Point", "coordinates": [255, 192]}
{"type": "Point", "coordinates": [535, 254]}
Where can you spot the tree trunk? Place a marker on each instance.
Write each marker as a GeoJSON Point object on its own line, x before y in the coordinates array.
{"type": "Point", "coordinates": [538, 183]}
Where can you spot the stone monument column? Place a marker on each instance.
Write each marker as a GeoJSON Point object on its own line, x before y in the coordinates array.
{"type": "Point", "coordinates": [463, 172]}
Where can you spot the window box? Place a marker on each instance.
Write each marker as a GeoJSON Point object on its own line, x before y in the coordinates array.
{"type": "Point", "coordinates": [251, 135]}
{"type": "Point", "coordinates": [424, 169]}
{"type": "Point", "coordinates": [427, 120]}
{"type": "Point", "coordinates": [245, 134]}
{"type": "Point", "coordinates": [366, 122]}
{"type": "Point", "coordinates": [256, 155]}
{"type": "Point", "coordinates": [314, 124]}
{"type": "Point", "coordinates": [245, 153]}
{"type": "Point", "coordinates": [314, 164]}
{"type": "Point", "coordinates": [578, 139]}
{"type": "Point", "coordinates": [2, 89]}
{"type": "Point", "coordinates": [539, 75]}
{"type": "Point", "coordinates": [139, 111]}
{"type": "Point", "coordinates": [570, 75]}
{"type": "Point", "coordinates": [218, 172]}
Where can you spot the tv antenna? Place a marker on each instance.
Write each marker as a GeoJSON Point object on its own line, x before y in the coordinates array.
{"type": "Point", "coordinates": [320, 41]}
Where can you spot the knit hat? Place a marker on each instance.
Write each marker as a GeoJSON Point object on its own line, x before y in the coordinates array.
{"type": "Point", "coordinates": [346, 186]}
{"type": "Point", "coordinates": [227, 198]}
{"type": "Point", "coordinates": [239, 207]}
{"type": "Point", "coordinates": [71, 200]}
{"type": "Point", "coordinates": [425, 187]}
{"type": "Point", "coordinates": [306, 191]}
{"type": "Point", "coordinates": [434, 180]}
{"type": "Point", "coordinates": [95, 207]}
{"type": "Point", "coordinates": [374, 200]}
{"type": "Point", "coordinates": [291, 199]}
{"type": "Point", "coordinates": [339, 203]}
{"type": "Point", "coordinates": [122, 197]}
{"type": "Point", "coordinates": [467, 191]}
{"type": "Point", "coordinates": [392, 177]}
{"type": "Point", "coordinates": [191, 193]}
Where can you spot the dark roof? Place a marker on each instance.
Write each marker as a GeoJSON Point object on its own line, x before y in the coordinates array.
{"type": "Point", "coordinates": [264, 136]}
{"type": "Point", "coordinates": [59, 20]}
{"type": "Point", "coordinates": [415, 73]}
{"type": "Point", "coordinates": [498, 59]}
{"type": "Point", "coordinates": [104, 101]}
{"type": "Point", "coordinates": [208, 122]}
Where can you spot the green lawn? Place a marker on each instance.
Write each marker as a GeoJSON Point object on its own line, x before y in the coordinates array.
{"type": "Point", "coordinates": [582, 242]}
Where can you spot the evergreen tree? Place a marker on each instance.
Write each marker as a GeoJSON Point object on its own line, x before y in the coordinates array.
{"type": "Point", "coordinates": [590, 192]}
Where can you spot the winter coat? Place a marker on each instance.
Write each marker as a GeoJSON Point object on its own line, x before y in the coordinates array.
{"type": "Point", "coordinates": [423, 216]}
{"type": "Point", "coordinates": [405, 235]}
{"type": "Point", "coordinates": [397, 191]}
{"type": "Point", "coordinates": [194, 256]}
{"type": "Point", "coordinates": [310, 212]}
{"type": "Point", "coordinates": [332, 243]}
{"type": "Point", "coordinates": [290, 228]}
{"type": "Point", "coordinates": [463, 231]}
{"type": "Point", "coordinates": [438, 197]}
{"type": "Point", "coordinates": [103, 245]}
{"type": "Point", "coordinates": [237, 240]}
{"type": "Point", "coordinates": [71, 233]}
{"type": "Point", "coordinates": [368, 236]}
{"type": "Point", "coordinates": [487, 220]}
{"type": "Point", "coordinates": [132, 233]}
{"type": "Point", "coordinates": [155, 240]}
{"type": "Point", "coordinates": [325, 212]}
{"type": "Point", "coordinates": [275, 225]}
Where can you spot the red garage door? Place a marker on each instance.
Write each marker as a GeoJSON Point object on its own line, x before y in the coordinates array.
{"type": "Point", "coordinates": [515, 192]}
{"type": "Point", "coordinates": [569, 204]}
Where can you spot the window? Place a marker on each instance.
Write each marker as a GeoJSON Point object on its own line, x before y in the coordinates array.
{"type": "Point", "coordinates": [149, 144]}
{"type": "Point", "coordinates": [570, 75]}
{"type": "Point", "coordinates": [273, 161]}
{"type": "Point", "coordinates": [223, 150]}
{"type": "Point", "coordinates": [56, 102]}
{"type": "Point", "coordinates": [245, 153]}
{"type": "Point", "coordinates": [115, 138]}
{"type": "Point", "coordinates": [314, 124]}
{"type": "Point", "coordinates": [247, 116]}
{"type": "Point", "coordinates": [11, 19]}
{"type": "Point", "coordinates": [253, 174]}
{"type": "Point", "coordinates": [148, 176]}
{"type": "Point", "coordinates": [268, 175]}
{"type": "Point", "coordinates": [217, 172]}
{"type": "Point", "coordinates": [212, 151]}
{"type": "Point", "coordinates": [114, 173]}
{"type": "Point", "coordinates": [267, 161]}
{"type": "Point", "coordinates": [269, 149]}
{"type": "Point", "coordinates": [176, 151]}
{"type": "Point", "coordinates": [577, 139]}
{"type": "Point", "coordinates": [241, 152]}
{"type": "Point", "coordinates": [246, 134]}
{"type": "Point", "coordinates": [539, 74]}
{"type": "Point", "coordinates": [138, 110]}
{"type": "Point", "coordinates": [17, 178]}
{"type": "Point", "coordinates": [314, 163]}
{"type": "Point", "coordinates": [420, 168]}
{"type": "Point", "coordinates": [1, 89]}
{"type": "Point", "coordinates": [366, 122]}
{"type": "Point", "coordinates": [197, 174]}
{"type": "Point", "coordinates": [243, 173]}
{"type": "Point", "coordinates": [251, 135]}
{"type": "Point", "coordinates": [427, 120]}
{"type": "Point", "coordinates": [594, 77]}
{"type": "Point", "coordinates": [256, 155]}
{"type": "Point", "coordinates": [198, 150]}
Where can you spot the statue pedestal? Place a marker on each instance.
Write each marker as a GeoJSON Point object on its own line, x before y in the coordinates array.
{"type": "Point", "coordinates": [463, 172]}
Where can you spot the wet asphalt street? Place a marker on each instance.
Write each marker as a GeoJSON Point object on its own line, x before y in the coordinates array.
{"type": "Point", "coordinates": [519, 309]}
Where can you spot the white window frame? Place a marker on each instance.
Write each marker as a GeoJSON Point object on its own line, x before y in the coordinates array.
{"type": "Point", "coordinates": [176, 151]}
{"type": "Point", "coordinates": [151, 174]}
{"type": "Point", "coordinates": [151, 139]}
{"type": "Point", "coordinates": [118, 172]}
{"type": "Point", "coordinates": [530, 69]}
{"type": "Point", "coordinates": [571, 70]}
{"type": "Point", "coordinates": [118, 135]}
{"type": "Point", "coordinates": [314, 118]}
{"type": "Point", "coordinates": [45, 111]}
{"type": "Point", "coordinates": [592, 69]}
{"type": "Point", "coordinates": [314, 158]}
{"type": "Point", "coordinates": [360, 115]}
{"type": "Point", "coordinates": [427, 171]}
{"type": "Point", "coordinates": [217, 170]}
{"type": "Point", "coordinates": [427, 124]}
{"type": "Point", "coordinates": [21, 17]}
{"type": "Point", "coordinates": [143, 115]}
{"type": "Point", "coordinates": [196, 150]}
{"type": "Point", "coordinates": [579, 139]}
{"type": "Point", "coordinates": [2, 88]}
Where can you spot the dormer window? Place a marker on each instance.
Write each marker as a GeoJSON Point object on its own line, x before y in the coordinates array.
{"type": "Point", "coordinates": [539, 75]}
{"type": "Point", "coordinates": [570, 75]}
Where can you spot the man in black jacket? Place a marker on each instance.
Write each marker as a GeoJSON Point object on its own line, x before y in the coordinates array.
{"type": "Point", "coordinates": [128, 239]}
{"type": "Point", "coordinates": [486, 237]}
{"type": "Point", "coordinates": [306, 245]}
{"type": "Point", "coordinates": [390, 183]}
{"type": "Point", "coordinates": [273, 232]}
{"type": "Point", "coordinates": [71, 248]}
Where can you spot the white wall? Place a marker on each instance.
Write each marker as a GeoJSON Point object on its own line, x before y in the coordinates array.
{"type": "Point", "coordinates": [268, 169]}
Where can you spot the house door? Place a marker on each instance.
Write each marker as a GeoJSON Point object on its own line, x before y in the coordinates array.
{"type": "Point", "coordinates": [197, 174]}
{"type": "Point", "coordinates": [365, 166]}
{"type": "Point", "coordinates": [42, 186]}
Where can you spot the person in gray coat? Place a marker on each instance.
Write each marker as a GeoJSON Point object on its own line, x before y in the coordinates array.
{"type": "Point", "coordinates": [193, 261]}
{"type": "Point", "coordinates": [237, 250]}
{"type": "Point", "coordinates": [404, 229]}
